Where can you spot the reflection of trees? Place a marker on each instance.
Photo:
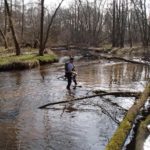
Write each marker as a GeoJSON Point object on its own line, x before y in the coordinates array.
{"type": "Point", "coordinates": [126, 73]}
{"type": "Point", "coordinates": [119, 74]}
{"type": "Point", "coordinates": [111, 76]}
{"type": "Point", "coordinates": [47, 136]}
{"type": "Point", "coordinates": [8, 136]}
{"type": "Point", "coordinates": [134, 72]}
{"type": "Point", "coordinates": [18, 78]}
{"type": "Point", "coordinates": [43, 73]}
{"type": "Point", "coordinates": [147, 71]}
{"type": "Point", "coordinates": [89, 74]}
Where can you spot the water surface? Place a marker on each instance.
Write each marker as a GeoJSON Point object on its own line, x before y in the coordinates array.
{"type": "Point", "coordinates": [82, 125]}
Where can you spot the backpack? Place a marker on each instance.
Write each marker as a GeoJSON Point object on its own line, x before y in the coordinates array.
{"type": "Point", "coordinates": [66, 67]}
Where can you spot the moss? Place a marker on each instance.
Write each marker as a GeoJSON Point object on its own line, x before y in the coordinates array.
{"type": "Point", "coordinates": [121, 133]}
{"type": "Point", "coordinates": [119, 136]}
{"type": "Point", "coordinates": [25, 61]}
{"type": "Point", "coordinates": [47, 59]}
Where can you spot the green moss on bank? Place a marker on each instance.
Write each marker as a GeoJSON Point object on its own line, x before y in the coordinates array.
{"type": "Point", "coordinates": [119, 137]}
{"type": "Point", "coordinates": [25, 61]}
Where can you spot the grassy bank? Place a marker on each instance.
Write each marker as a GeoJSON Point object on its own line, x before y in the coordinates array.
{"type": "Point", "coordinates": [25, 61]}
{"type": "Point", "coordinates": [118, 139]}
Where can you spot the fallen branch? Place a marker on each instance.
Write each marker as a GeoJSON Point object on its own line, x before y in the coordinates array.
{"type": "Point", "coordinates": [123, 59]}
{"type": "Point", "coordinates": [114, 104]}
{"type": "Point", "coordinates": [121, 94]}
{"type": "Point", "coordinates": [108, 114]}
{"type": "Point", "coordinates": [118, 139]}
{"type": "Point", "coordinates": [118, 94]}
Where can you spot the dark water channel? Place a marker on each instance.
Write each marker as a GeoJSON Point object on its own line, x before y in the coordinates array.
{"type": "Point", "coordinates": [83, 125]}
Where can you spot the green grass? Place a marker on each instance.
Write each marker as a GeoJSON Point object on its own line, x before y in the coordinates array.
{"type": "Point", "coordinates": [46, 58]}
{"type": "Point", "coordinates": [2, 49]}
{"type": "Point", "coordinates": [25, 61]}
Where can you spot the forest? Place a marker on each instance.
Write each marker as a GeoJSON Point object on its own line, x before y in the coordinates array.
{"type": "Point", "coordinates": [118, 23]}
{"type": "Point", "coordinates": [74, 75]}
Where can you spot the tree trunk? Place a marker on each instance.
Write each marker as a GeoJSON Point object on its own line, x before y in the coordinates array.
{"type": "Point", "coordinates": [41, 50]}
{"type": "Point", "coordinates": [129, 30]}
{"type": "Point", "coordinates": [12, 29]}
{"type": "Point", "coordinates": [22, 27]}
{"type": "Point", "coordinates": [141, 14]}
{"type": "Point", "coordinates": [114, 25]}
{"type": "Point", "coordinates": [50, 24]}
{"type": "Point", "coordinates": [4, 38]}
{"type": "Point", "coordinates": [5, 30]}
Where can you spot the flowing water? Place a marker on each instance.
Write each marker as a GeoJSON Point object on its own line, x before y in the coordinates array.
{"type": "Point", "coordinates": [82, 125]}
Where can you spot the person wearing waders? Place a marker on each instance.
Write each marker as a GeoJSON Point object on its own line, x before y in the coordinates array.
{"type": "Point", "coordinates": [70, 73]}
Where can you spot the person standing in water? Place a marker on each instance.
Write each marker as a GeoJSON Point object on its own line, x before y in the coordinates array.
{"type": "Point", "coordinates": [70, 73]}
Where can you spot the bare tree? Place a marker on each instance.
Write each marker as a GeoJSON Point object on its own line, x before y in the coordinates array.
{"type": "Point", "coordinates": [41, 29]}
{"type": "Point", "coordinates": [22, 24]}
{"type": "Point", "coordinates": [5, 30]}
{"type": "Point", "coordinates": [83, 23]}
{"type": "Point", "coordinates": [51, 22]}
{"type": "Point", "coordinates": [141, 13]}
{"type": "Point", "coordinates": [4, 38]}
{"type": "Point", "coordinates": [12, 29]}
{"type": "Point", "coordinates": [114, 24]}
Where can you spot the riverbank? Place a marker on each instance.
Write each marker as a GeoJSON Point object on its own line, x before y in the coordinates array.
{"type": "Point", "coordinates": [25, 61]}
{"type": "Point", "coordinates": [136, 51]}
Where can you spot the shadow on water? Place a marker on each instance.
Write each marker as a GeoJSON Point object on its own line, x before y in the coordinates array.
{"type": "Point", "coordinates": [87, 124]}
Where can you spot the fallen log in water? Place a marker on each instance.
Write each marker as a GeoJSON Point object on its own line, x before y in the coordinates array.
{"type": "Point", "coordinates": [119, 137]}
{"type": "Point", "coordinates": [122, 59]}
{"type": "Point", "coordinates": [121, 94]}
{"type": "Point", "coordinates": [118, 94]}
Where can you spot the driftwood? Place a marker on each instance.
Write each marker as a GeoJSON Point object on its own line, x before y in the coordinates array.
{"type": "Point", "coordinates": [123, 59]}
{"type": "Point", "coordinates": [121, 94]}
{"type": "Point", "coordinates": [118, 94]}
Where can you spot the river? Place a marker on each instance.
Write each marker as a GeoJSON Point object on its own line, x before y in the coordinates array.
{"type": "Point", "coordinates": [82, 125]}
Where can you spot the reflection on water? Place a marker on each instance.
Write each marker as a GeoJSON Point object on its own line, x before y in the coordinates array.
{"type": "Point", "coordinates": [111, 76]}
{"type": "Point", "coordinates": [72, 126]}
